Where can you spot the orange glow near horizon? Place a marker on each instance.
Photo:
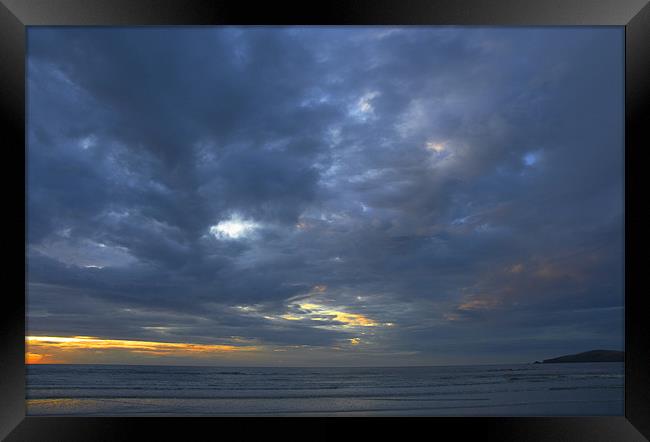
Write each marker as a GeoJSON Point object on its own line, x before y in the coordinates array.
{"type": "Point", "coordinates": [41, 347]}
{"type": "Point", "coordinates": [38, 358]}
{"type": "Point", "coordinates": [33, 358]}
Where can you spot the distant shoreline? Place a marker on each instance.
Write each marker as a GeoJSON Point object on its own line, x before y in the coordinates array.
{"type": "Point", "coordinates": [588, 356]}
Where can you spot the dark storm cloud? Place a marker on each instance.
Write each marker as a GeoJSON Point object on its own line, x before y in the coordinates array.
{"type": "Point", "coordinates": [445, 185]}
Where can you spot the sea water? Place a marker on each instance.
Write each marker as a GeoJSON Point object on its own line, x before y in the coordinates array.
{"type": "Point", "coordinates": [576, 389]}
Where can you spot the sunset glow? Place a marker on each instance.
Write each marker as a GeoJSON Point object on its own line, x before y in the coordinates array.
{"type": "Point", "coordinates": [41, 348]}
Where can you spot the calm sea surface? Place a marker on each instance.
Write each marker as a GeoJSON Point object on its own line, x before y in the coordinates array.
{"type": "Point", "coordinates": [489, 390]}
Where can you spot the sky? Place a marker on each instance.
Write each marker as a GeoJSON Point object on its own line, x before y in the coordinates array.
{"type": "Point", "coordinates": [309, 196]}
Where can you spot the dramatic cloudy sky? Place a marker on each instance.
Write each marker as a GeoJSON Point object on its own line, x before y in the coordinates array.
{"type": "Point", "coordinates": [312, 196]}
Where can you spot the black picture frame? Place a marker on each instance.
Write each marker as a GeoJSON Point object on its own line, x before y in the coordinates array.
{"type": "Point", "coordinates": [16, 15]}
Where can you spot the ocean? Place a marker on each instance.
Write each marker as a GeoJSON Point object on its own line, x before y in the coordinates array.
{"type": "Point", "coordinates": [578, 389]}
